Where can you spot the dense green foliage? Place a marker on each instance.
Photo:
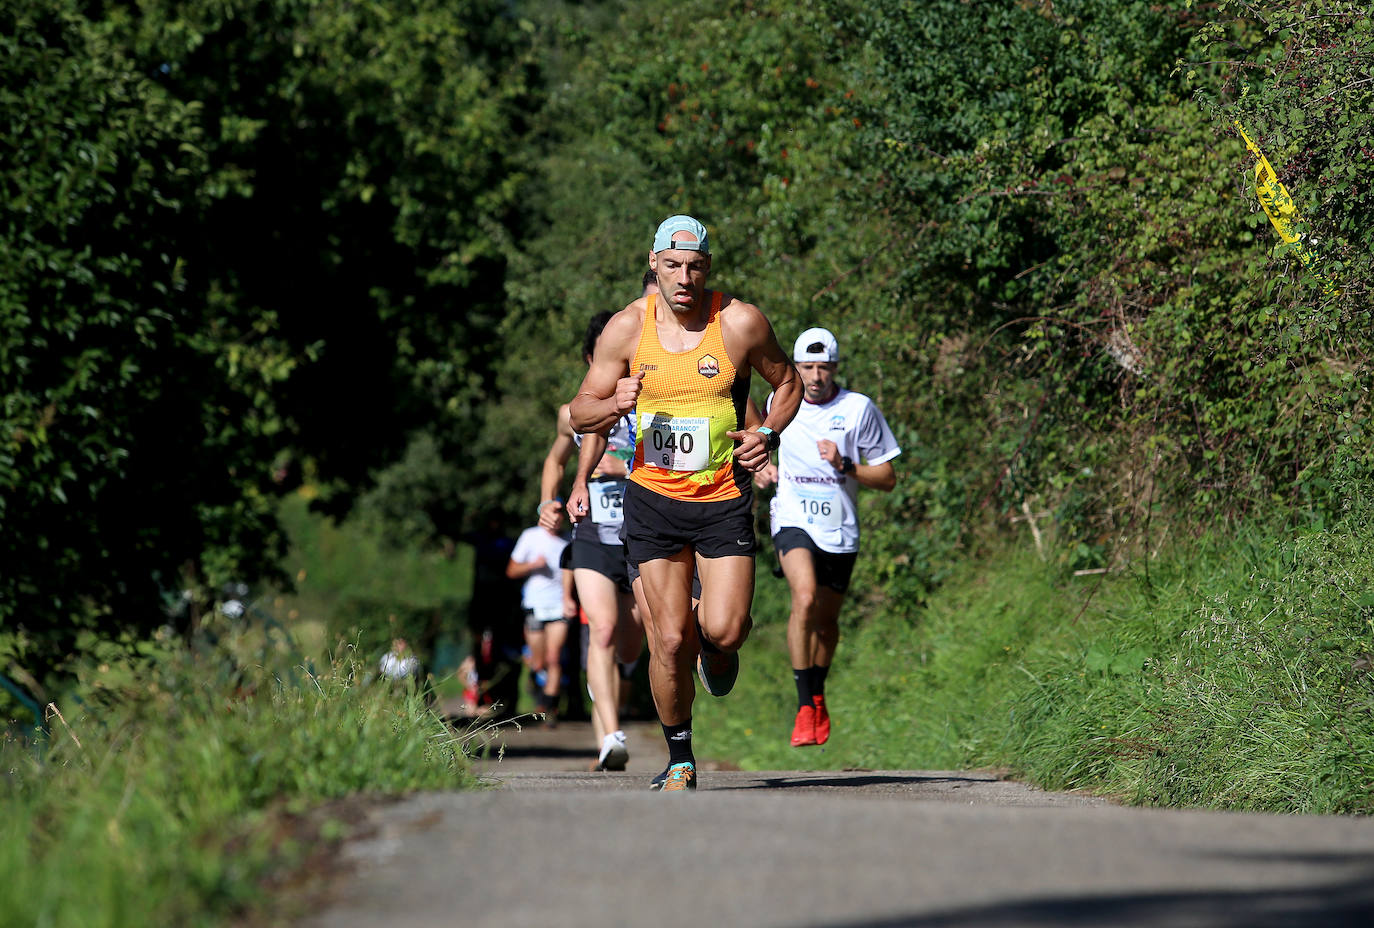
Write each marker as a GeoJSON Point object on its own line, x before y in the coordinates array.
{"type": "Point", "coordinates": [248, 242]}
{"type": "Point", "coordinates": [255, 242]}
{"type": "Point", "coordinates": [124, 454]}
{"type": "Point", "coordinates": [354, 589]}
{"type": "Point", "coordinates": [1238, 675]}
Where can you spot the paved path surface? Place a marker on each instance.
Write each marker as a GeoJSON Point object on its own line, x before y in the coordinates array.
{"type": "Point", "coordinates": [552, 844]}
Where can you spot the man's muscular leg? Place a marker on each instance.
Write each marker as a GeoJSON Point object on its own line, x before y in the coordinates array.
{"type": "Point", "coordinates": [813, 629]}
{"type": "Point", "coordinates": [601, 602]}
{"type": "Point", "coordinates": [672, 635]}
{"type": "Point", "coordinates": [727, 591]}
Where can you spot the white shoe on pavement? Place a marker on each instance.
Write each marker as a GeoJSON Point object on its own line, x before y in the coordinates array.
{"type": "Point", "coordinates": [614, 754]}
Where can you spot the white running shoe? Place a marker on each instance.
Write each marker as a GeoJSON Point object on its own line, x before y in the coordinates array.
{"type": "Point", "coordinates": [614, 754]}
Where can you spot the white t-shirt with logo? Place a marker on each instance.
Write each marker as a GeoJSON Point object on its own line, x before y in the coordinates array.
{"type": "Point", "coordinates": [543, 589]}
{"type": "Point", "coordinates": [814, 496]}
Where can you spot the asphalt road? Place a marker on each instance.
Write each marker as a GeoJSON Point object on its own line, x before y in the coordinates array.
{"type": "Point", "coordinates": [553, 844]}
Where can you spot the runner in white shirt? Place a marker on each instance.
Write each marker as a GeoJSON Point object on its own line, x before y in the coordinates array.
{"type": "Point", "coordinates": [838, 442]}
{"type": "Point", "coordinates": [548, 605]}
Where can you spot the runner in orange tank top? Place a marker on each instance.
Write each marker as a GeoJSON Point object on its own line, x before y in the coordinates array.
{"type": "Point", "coordinates": [681, 362]}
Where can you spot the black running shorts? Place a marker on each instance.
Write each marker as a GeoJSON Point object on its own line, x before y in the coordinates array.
{"type": "Point", "coordinates": [607, 560]}
{"type": "Point", "coordinates": [658, 526]}
{"type": "Point", "coordinates": [832, 570]}
{"type": "Point", "coordinates": [533, 624]}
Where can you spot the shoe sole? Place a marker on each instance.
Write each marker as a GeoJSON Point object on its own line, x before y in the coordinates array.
{"type": "Point", "coordinates": [706, 683]}
{"type": "Point", "coordinates": [616, 759]}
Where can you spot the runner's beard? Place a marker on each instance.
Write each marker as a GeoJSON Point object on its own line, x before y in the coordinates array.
{"type": "Point", "coordinates": [814, 394]}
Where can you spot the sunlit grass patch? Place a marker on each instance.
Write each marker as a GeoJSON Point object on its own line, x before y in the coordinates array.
{"type": "Point", "coordinates": [162, 802]}
{"type": "Point", "coordinates": [1238, 673]}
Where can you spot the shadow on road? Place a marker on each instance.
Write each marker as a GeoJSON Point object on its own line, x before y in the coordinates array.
{"type": "Point", "coordinates": [853, 782]}
{"type": "Point", "coordinates": [1340, 905]}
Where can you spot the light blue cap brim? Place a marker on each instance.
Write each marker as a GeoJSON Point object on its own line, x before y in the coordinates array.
{"type": "Point", "coordinates": [663, 238]}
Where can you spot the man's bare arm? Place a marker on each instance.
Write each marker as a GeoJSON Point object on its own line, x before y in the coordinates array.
{"type": "Point", "coordinates": [876, 476]}
{"type": "Point", "coordinates": [557, 458]}
{"type": "Point", "coordinates": [768, 358]}
{"type": "Point", "coordinates": [593, 450]}
{"type": "Point", "coordinates": [552, 473]}
{"type": "Point", "coordinates": [748, 329]}
{"type": "Point", "coordinates": [609, 390]}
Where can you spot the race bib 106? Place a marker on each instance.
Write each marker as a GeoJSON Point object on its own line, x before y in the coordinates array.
{"type": "Point", "coordinates": [820, 505]}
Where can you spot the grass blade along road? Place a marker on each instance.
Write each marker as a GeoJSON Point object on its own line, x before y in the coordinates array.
{"type": "Point", "coordinates": [555, 844]}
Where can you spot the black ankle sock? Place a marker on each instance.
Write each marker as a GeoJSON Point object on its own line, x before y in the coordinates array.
{"type": "Point", "coordinates": [679, 738]}
{"type": "Point", "coordinates": [803, 680]}
{"type": "Point", "coordinates": [818, 675]}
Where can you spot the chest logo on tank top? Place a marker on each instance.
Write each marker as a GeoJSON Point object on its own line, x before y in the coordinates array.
{"type": "Point", "coordinates": [708, 366]}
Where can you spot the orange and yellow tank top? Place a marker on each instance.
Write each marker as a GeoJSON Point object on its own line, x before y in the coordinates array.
{"type": "Point", "coordinates": [688, 401]}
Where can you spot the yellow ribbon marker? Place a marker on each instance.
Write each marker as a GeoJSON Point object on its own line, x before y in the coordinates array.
{"type": "Point", "coordinates": [1278, 205]}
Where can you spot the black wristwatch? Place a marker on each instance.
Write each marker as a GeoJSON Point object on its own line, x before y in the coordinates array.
{"type": "Point", "coordinates": [771, 439]}
{"type": "Point", "coordinates": [847, 465]}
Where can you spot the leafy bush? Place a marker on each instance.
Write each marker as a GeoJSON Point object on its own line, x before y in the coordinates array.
{"type": "Point", "coordinates": [1237, 674]}
{"type": "Point", "coordinates": [128, 464]}
{"type": "Point", "coordinates": [243, 234]}
{"type": "Point", "coordinates": [167, 799]}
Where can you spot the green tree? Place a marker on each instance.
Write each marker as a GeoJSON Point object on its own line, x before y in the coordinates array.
{"type": "Point", "coordinates": [245, 233]}
{"type": "Point", "coordinates": [360, 205]}
{"type": "Point", "coordinates": [1076, 241]}
{"type": "Point", "coordinates": [130, 462]}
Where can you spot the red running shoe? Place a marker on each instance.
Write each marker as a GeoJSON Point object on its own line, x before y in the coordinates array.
{"type": "Point", "coordinates": [822, 720]}
{"type": "Point", "coordinates": [804, 729]}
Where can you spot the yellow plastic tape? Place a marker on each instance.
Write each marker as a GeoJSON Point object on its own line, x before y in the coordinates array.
{"type": "Point", "coordinates": [1278, 205]}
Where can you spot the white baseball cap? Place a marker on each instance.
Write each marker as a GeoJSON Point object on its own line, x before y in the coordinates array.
{"type": "Point", "coordinates": [816, 344]}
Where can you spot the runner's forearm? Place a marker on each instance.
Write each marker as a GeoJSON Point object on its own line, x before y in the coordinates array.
{"type": "Point", "coordinates": [550, 478]}
{"type": "Point", "coordinates": [593, 448]}
{"type": "Point", "coordinates": [787, 399]}
{"type": "Point", "coordinates": [519, 570]}
{"type": "Point", "coordinates": [590, 413]}
{"type": "Point", "coordinates": [876, 476]}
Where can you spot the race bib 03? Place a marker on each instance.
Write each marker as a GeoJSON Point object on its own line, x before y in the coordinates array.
{"type": "Point", "coordinates": [608, 501]}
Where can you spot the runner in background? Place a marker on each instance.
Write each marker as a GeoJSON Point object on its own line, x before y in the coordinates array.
{"type": "Point", "coordinates": [548, 609]}
{"type": "Point", "coordinates": [838, 442]}
{"type": "Point", "coordinates": [615, 634]}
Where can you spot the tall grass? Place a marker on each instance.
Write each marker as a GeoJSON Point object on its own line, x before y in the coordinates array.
{"type": "Point", "coordinates": [350, 588]}
{"type": "Point", "coordinates": [160, 801]}
{"type": "Point", "coordinates": [1236, 674]}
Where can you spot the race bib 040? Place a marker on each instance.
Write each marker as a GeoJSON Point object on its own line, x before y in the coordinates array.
{"type": "Point", "coordinates": [677, 443]}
